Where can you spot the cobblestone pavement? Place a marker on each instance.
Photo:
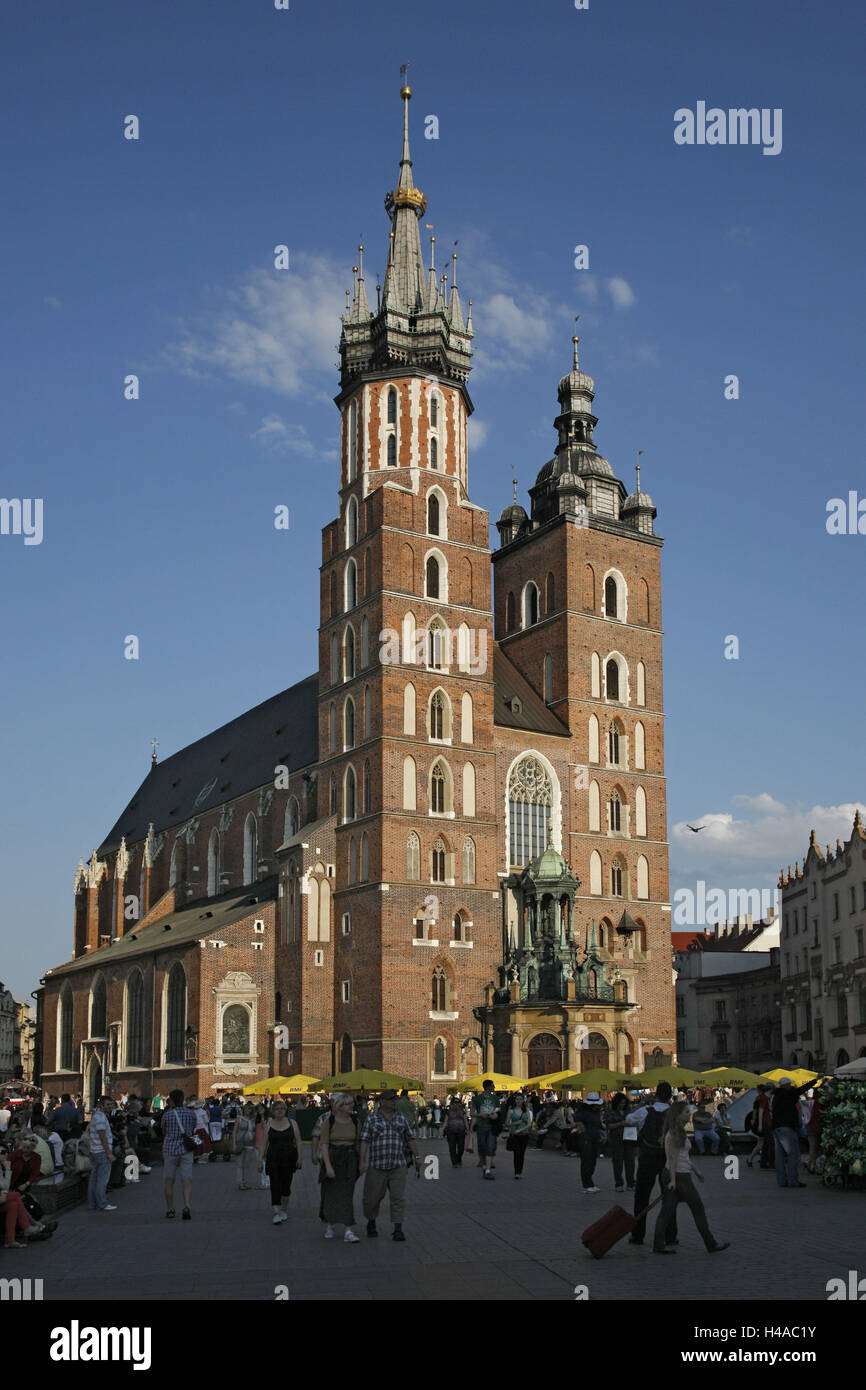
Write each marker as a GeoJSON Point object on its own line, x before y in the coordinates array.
{"type": "Point", "coordinates": [466, 1239]}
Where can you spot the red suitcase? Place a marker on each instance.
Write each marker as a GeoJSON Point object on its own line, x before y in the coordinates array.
{"type": "Point", "coordinates": [602, 1235]}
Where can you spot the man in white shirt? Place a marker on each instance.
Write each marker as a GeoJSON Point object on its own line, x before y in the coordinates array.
{"type": "Point", "coordinates": [101, 1152]}
{"type": "Point", "coordinates": [5, 1116]}
{"type": "Point", "coordinates": [651, 1160]}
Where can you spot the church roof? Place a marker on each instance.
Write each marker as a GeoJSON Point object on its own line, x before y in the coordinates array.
{"type": "Point", "coordinates": [515, 704]}
{"type": "Point", "coordinates": [205, 918]}
{"type": "Point", "coordinates": [234, 759]}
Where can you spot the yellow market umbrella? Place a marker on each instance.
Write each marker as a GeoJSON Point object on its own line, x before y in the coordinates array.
{"type": "Point", "coordinates": [299, 1085]}
{"type": "Point", "coordinates": [501, 1082]}
{"type": "Point", "coordinates": [269, 1087]}
{"type": "Point", "coordinates": [734, 1076]}
{"type": "Point", "coordinates": [549, 1081]}
{"type": "Point", "coordinates": [798, 1075]}
{"type": "Point", "coordinates": [677, 1076]}
{"type": "Point", "coordinates": [598, 1079]}
{"type": "Point", "coordinates": [365, 1079]}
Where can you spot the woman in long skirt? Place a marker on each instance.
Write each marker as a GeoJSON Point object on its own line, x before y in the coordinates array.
{"type": "Point", "coordinates": [339, 1149]}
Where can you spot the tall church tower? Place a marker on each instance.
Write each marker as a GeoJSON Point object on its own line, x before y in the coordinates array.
{"type": "Point", "coordinates": [406, 672]}
{"type": "Point", "coordinates": [578, 612]}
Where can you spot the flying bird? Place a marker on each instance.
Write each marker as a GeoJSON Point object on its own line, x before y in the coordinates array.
{"type": "Point", "coordinates": [696, 828]}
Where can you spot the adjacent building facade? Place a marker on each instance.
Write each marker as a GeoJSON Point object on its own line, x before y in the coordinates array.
{"type": "Point", "coordinates": [334, 879]}
{"type": "Point", "coordinates": [824, 954]}
{"type": "Point", "coordinates": [728, 997]}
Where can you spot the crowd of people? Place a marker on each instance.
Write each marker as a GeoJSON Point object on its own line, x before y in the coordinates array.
{"type": "Point", "coordinates": [647, 1139]}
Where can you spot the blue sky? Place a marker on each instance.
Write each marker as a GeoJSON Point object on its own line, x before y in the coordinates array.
{"type": "Point", "coordinates": [155, 257]}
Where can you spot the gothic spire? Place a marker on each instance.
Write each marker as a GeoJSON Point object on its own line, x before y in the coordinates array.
{"type": "Point", "coordinates": [404, 278]}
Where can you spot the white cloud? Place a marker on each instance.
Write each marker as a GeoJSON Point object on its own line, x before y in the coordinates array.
{"type": "Point", "coordinates": [52, 302]}
{"type": "Point", "coordinates": [621, 293]}
{"type": "Point", "coordinates": [751, 847]}
{"type": "Point", "coordinates": [587, 286]}
{"type": "Point", "coordinates": [274, 329]}
{"type": "Point", "coordinates": [277, 437]}
{"type": "Point", "coordinates": [478, 431]}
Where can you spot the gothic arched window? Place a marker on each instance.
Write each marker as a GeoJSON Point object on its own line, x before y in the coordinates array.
{"type": "Point", "coordinates": [440, 990]}
{"type": "Point", "coordinates": [440, 721]}
{"type": "Point", "coordinates": [98, 1009]}
{"type": "Point", "coordinates": [413, 857]}
{"type": "Point", "coordinates": [352, 522]}
{"type": "Point", "coordinates": [434, 410]}
{"type": "Point", "coordinates": [615, 807]}
{"type": "Point", "coordinates": [468, 860]}
{"type": "Point", "coordinates": [135, 1020]}
{"type": "Point", "coordinates": [213, 864]}
{"type": "Point", "coordinates": [611, 679]}
{"type": "Point", "coordinates": [293, 818]}
{"type": "Point", "coordinates": [351, 583]}
{"type": "Point", "coordinates": [349, 795]}
{"type": "Point", "coordinates": [434, 452]}
{"type": "Point", "coordinates": [438, 861]}
{"type": "Point", "coordinates": [439, 1057]}
{"type": "Point", "coordinates": [353, 440]}
{"type": "Point", "coordinates": [613, 743]}
{"type": "Point", "coordinates": [530, 801]}
{"type": "Point", "coordinates": [433, 514]}
{"type": "Point", "coordinates": [440, 789]}
{"type": "Point", "coordinates": [250, 849]}
{"type": "Point", "coordinates": [349, 724]}
{"type": "Point", "coordinates": [349, 654]}
{"type": "Point", "coordinates": [392, 451]}
{"type": "Point", "coordinates": [611, 597]}
{"type": "Point", "coordinates": [392, 406]}
{"type": "Point", "coordinates": [530, 605]}
{"type": "Point", "coordinates": [175, 1015]}
{"type": "Point", "coordinates": [432, 577]}
{"type": "Point", "coordinates": [438, 645]}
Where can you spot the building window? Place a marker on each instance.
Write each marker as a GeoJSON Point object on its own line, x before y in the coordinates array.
{"type": "Point", "coordinates": [433, 515]}
{"type": "Point", "coordinates": [616, 879]}
{"type": "Point", "coordinates": [332, 800]}
{"type": "Point", "coordinates": [349, 668]}
{"type": "Point", "coordinates": [438, 862]}
{"type": "Point", "coordinates": [457, 928]}
{"type": "Point", "coordinates": [852, 898]}
{"type": "Point", "coordinates": [615, 810]}
{"type": "Point", "coordinates": [346, 991]}
{"type": "Point", "coordinates": [432, 577]}
{"type": "Point", "coordinates": [346, 923]}
{"type": "Point", "coordinates": [293, 818]}
{"type": "Point", "coordinates": [98, 1009]}
{"type": "Point", "coordinates": [468, 860]}
{"type": "Point", "coordinates": [392, 406]}
{"type": "Point", "coordinates": [611, 598]}
{"type": "Point", "coordinates": [434, 453]}
{"type": "Point", "coordinates": [349, 725]}
{"type": "Point", "coordinates": [352, 522]}
{"type": "Point", "coordinates": [213, 864]}
{"type": "Point", "coordinates": [413, 857]}
{"type": "Point", "coordinates": [530, 801]}
{"type": "Point", "coordinates": [351, 582]}
{"type": "Point", "coordinates": [681, 1006]}
{"type": "Point", "coordinates": [613, 744]}
{"type": "Point", "coordinates": [837, 950]}
{"type": "Point", "coordinates": [439, 1057]}
{"type": "Point", "coordinates": [392, 451]}
{"type": "Point", "coordinates": [434, 410]}
{"type": "Point", "coordinates": [721, 1009]}
{"type": "Point", "coordinates": [349, 795]}
{"type": "Point", "coordinates": [550, 595]}
{"type": "Point", "coordinates": [438, 645]}
{"type": "Point", "coordinates": [175, 1027]}
{"type": "Point", "coordinates": [250, 849]}
{"type": "Point", "coordinates": [611, 680]}
{"type": "Point", "coordinates": [530, 605]}
{"type": "Point", "coordinates": [135, 1020]}
{"type": "Point", "coordinates": [353, 440]}
{"type": "Point", "coordinates": [439, 727]}
{"type": "Point", "coordinates": [440, 990]}
{"type": "Point", "coordinates": [438, 786]}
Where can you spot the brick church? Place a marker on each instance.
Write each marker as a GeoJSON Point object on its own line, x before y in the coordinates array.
{"type": "Point", "coordinates": [446, 850]}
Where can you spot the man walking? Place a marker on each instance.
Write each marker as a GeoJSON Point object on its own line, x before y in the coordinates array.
{"type": "Point", "coordinates": [100, 1148]}
{"type": "Point", "coordinates": [651, 1161]}
{"type": "Point", "coordinates": [785, 1119]}
{"type": "Point", "coordinates": [178, 1125]}
{"type": "Point", "coordinates": [485, 1109]}
{"type": "Point", "coordinates": [386, 1139]}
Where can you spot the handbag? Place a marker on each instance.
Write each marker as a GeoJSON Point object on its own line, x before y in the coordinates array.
{"type": "Point", "coordinates": [82, 1159]}
{"type": "Point", "coordinates": [509, 1143]}
{"type": "Point", "coordinates": [31, 1206]}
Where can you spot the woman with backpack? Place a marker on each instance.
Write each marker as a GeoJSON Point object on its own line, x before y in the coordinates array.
{"type": "Point", "coordinates": [280, 1158]}
{"type": "Point", "coordinates": [339, 1147]}
{"type": "Point", "coordinates": [456, 1130]}
{"type": "Point", "coordinates": [681, 1187]}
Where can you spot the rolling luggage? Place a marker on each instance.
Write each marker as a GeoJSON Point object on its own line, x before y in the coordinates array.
{"type": "Point", "coordinates": [616, 1223]}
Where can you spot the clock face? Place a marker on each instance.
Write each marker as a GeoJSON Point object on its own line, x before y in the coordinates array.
{"type": "Point", "coordinates": [205, 792]}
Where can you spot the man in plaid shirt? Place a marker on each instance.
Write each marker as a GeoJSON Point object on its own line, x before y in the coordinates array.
{"type": "Point", "coordinates": [385, 1141]}
{"type": "Point", "coordinates": [176, 1157]}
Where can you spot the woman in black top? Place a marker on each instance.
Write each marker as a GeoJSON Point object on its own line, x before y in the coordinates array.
{"type": "Point", "coordinates": [281, 1156]}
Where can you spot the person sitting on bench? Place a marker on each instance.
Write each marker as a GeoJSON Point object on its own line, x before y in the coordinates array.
{"type": "Point", "coordinates": [705, 1128]}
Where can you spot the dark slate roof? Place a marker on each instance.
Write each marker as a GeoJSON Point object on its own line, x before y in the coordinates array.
{"type": "Point", "coordinates": [534, 714]}
{"type": "Point", "coordinates": [207, 917]}
{"type": "Point", "coordinates": [223, 765]}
